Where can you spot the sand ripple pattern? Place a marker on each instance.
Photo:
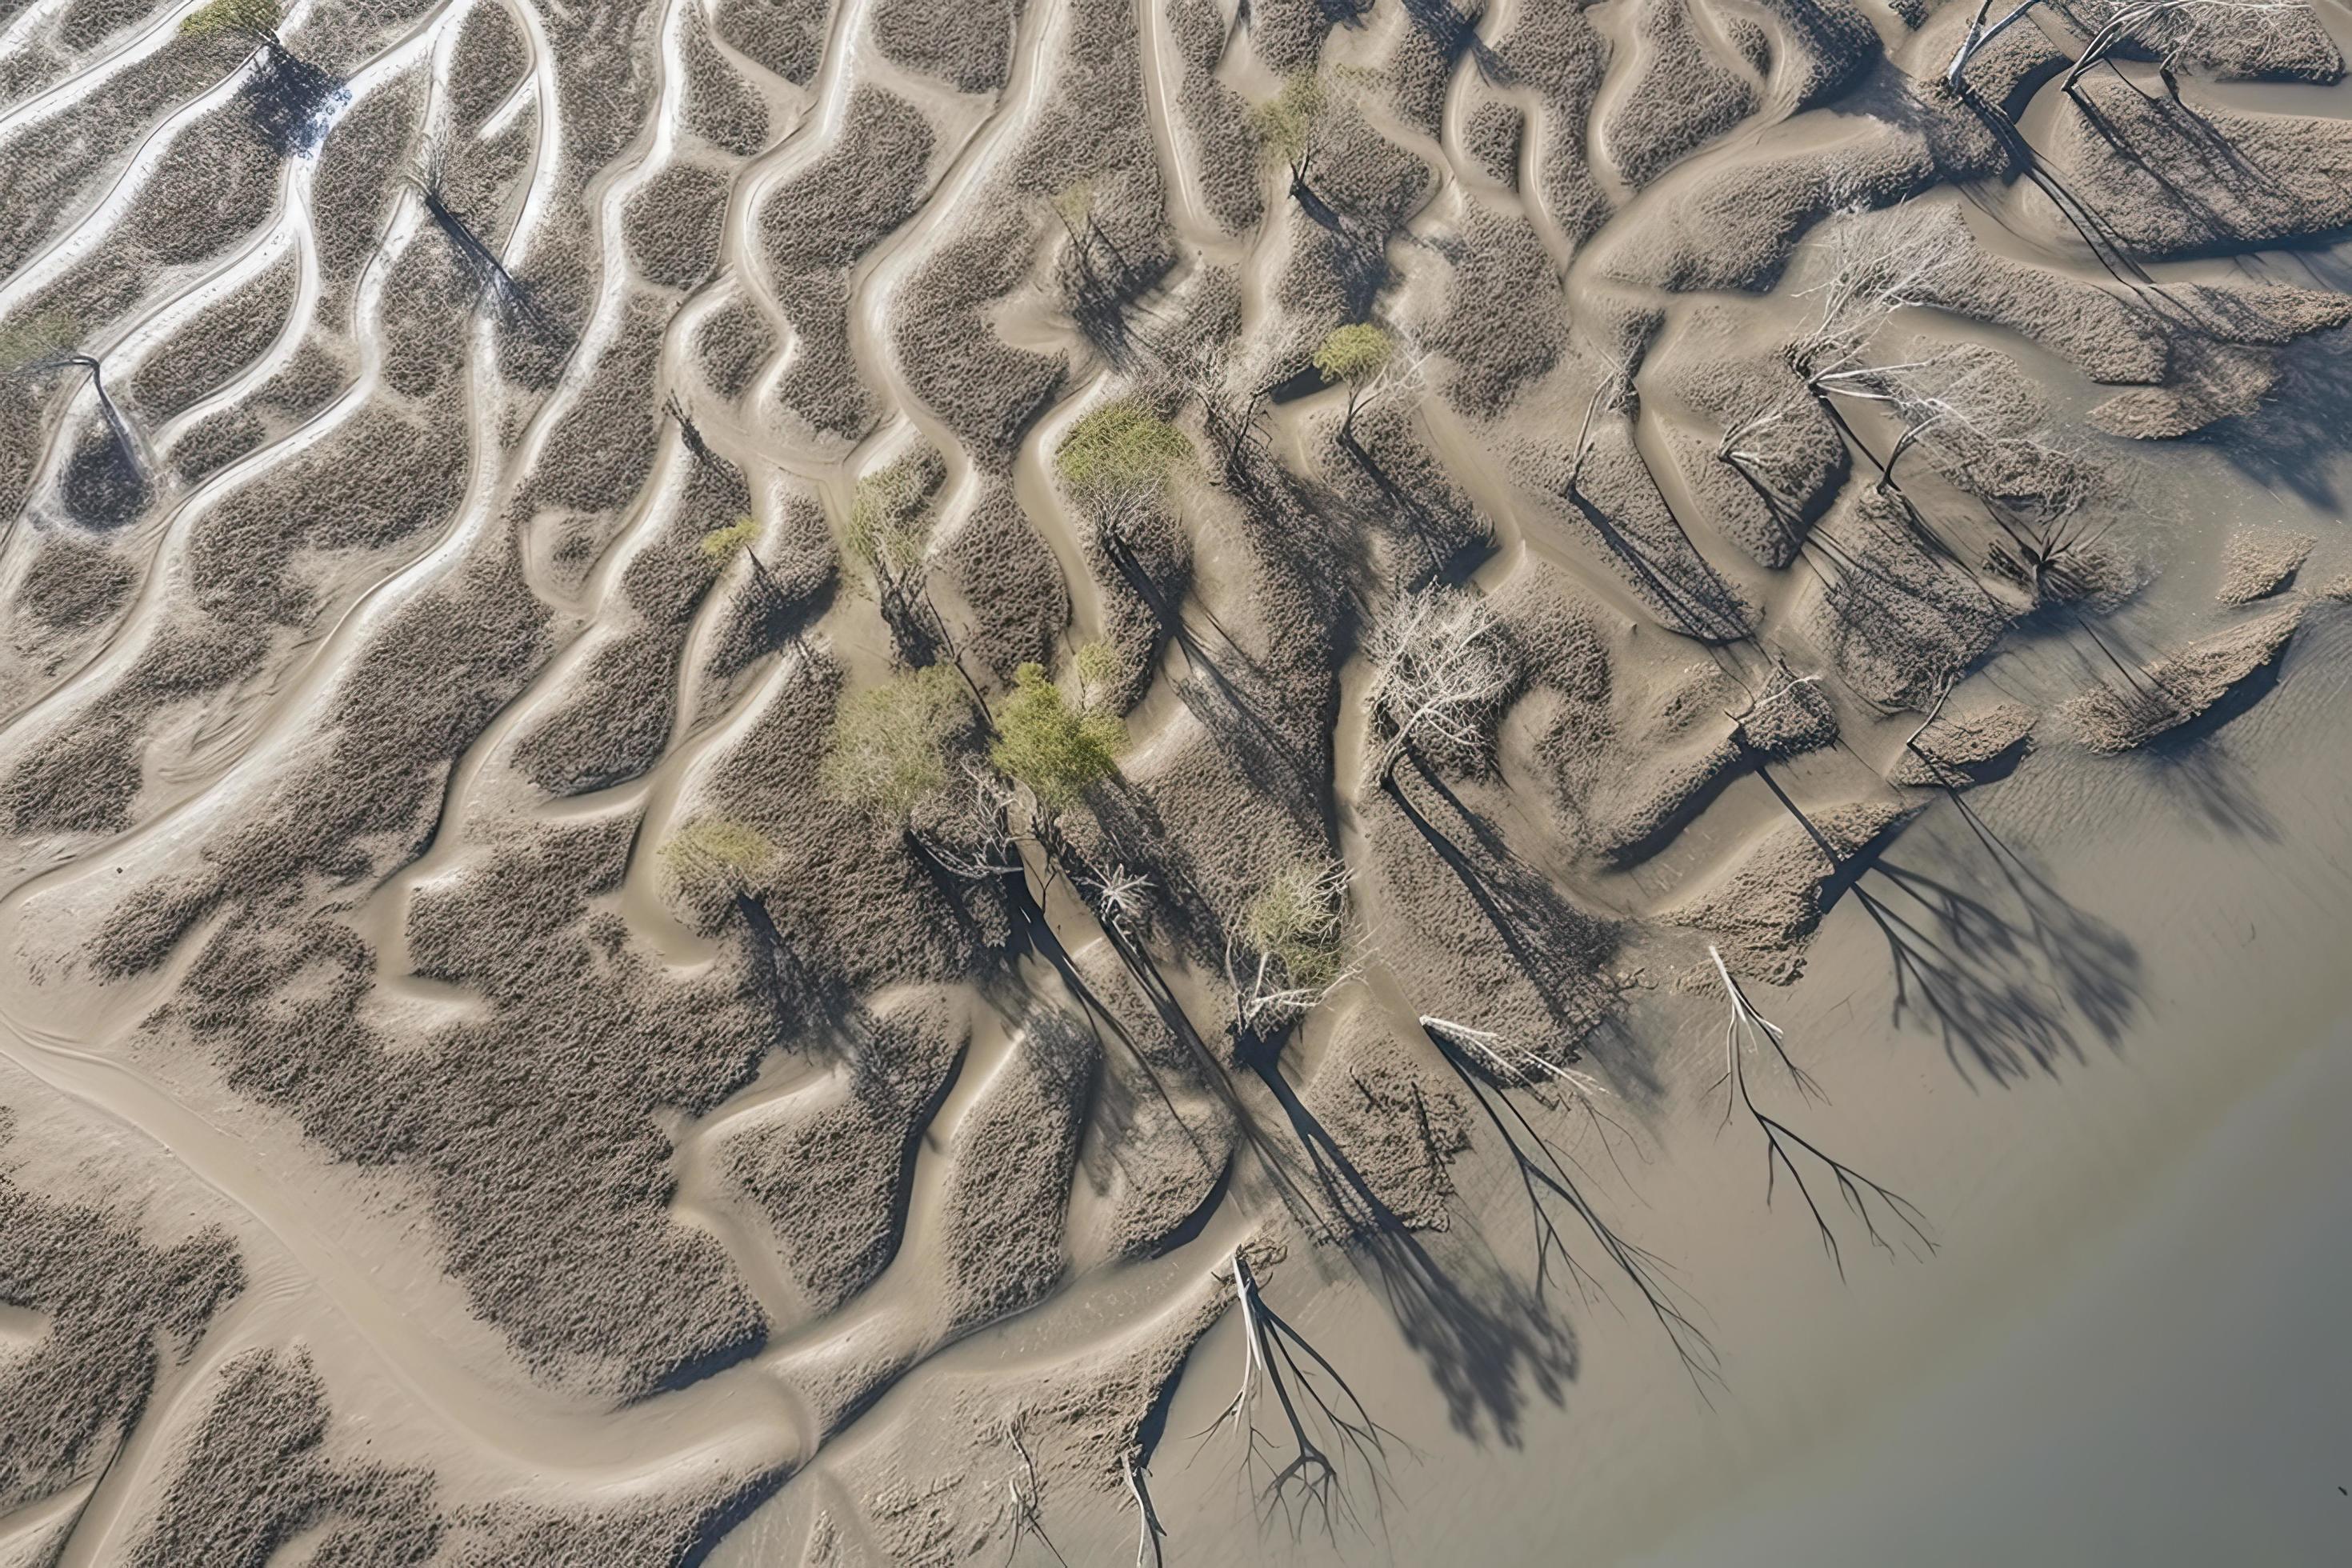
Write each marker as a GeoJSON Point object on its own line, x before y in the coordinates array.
{"type": "Point", "coordinates": [363, 651]}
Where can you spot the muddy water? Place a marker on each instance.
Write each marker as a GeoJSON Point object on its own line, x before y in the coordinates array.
{"type": "Point", "coordinates": [2134, 1251]}
{"type": "Point", "coordinates": [2182, 1398]}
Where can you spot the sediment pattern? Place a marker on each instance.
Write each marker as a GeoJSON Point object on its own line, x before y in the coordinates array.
{"type": "Point", "coordinates": [445, 482]}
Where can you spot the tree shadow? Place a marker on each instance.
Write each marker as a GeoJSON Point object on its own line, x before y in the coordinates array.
{"type": "Point", "coordinates": [2292, 441]}
{"type": "Point", "coordinates": [1555, 946]}
{"type": "Point", "coordinates": [2009, 978]}
{"type": "Point", "coordinates": [290, 102]}
{"type": "Point", "coordinates": [1486, 1339]}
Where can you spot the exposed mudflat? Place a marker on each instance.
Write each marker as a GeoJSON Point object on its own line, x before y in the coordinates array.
{"type": "Point", "coordinates": [890, 782]}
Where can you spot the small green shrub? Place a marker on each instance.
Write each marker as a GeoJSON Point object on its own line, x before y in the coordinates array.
{"type": "Point", "coordinates": [233, 18]}
{"type": "Point", "coordinates": [1119, 449]}
{"type": "Point", "coordinates": [888, 528]}
{"type": "Point", "coordinates": [1300, 921]}
{"type": "Point", "coordinates": [1286, 123]}
{"type": "Point", "coordinates": [721, 542]}
{"type": "Point", "coordinates": [888, 747]}
{"type": "Point", "coordinates": [1056, 747]}
{"type": "Point", "coordinates": [1354, 353]}
{"type": "Point", "coordinates": [719, 851]}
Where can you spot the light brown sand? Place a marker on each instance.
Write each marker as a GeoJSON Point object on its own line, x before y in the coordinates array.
{"type": "Point", "coordinates": [409, 1152]}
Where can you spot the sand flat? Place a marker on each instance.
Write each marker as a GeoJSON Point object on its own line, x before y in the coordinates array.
{"type": "Point", "coordinates": [814, 781]}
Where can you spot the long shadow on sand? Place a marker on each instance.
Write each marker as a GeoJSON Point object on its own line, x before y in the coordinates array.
{"type": "Point", "coordinates": [2009, 975]}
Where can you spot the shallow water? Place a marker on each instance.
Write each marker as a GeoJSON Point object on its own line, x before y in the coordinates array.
{"type": "Point", "coordinates": [2182, 1397]}
{"type": "Point", "coordinates": [2118, 1132]}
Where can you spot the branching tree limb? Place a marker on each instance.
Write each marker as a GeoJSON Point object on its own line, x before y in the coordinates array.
{"type": "Point", "coordinates": [1304, 1480]}
{"type": "Point", "coordinates": [1746, 1033]}
{"type": "Point", "coordinates": [1441, 672]}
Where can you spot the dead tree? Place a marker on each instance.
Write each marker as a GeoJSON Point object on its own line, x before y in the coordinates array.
{"type": "Point", "coordinates": [1747, 1032]}
{"type": "Point", "coordinates": [1149, 1531]}
{"type": "Point", "coordinates": [2169, 19]}
{"type": "Point", "coordinates": [1120, 898]}
{"type": "Point", "coordinates": [114, 486]}
{"type": "Point", "coordinates": [1512, 1062]}
{"type": "Point", "coordinates": [1441, 669]}
{"type": "Point", "coordinates": [1616, 393]}
{"type": "Point", "coordinates": [1875, 267]}
{"type": "Point", "coordinates": [1022, 1500]}
{"type": "Point", "coordinates": [1304, 1480]}
{"type": "Point", "coordinates": [1979, 38]}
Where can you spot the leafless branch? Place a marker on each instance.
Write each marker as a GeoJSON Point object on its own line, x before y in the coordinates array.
{"type": "Point", "coordinates": [1746, 1033]}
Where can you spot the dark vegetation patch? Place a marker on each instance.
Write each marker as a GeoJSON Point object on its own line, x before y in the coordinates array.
{"type": "Point", "coordinates": [830, 1173]}
{"type": "Point", "coordinates": [1199, 29]}
{"type": "Point", "coordinates": [1492, 135]}
{"type": "Point", "coordinates": [1685, 98]}
{"type": "Point", "coordinates": [1897, 619]}
{"type": "Point", "coordinates": [600, 452]}
{"type": "Point", "coordinates": [360, 164]}
{"type": "Point", "coordinates": [1011, 582]}
{"type": "Point", "coordinates": [1833, 44]}
{"type": "Point", "coordinates": [580, 1043]}
{"type": "Point", "coordinates": [1287, 35]}
{"type": "Point", "coordinates": [74, 581]}
{"type": "Point", "coordinates": [381, 478]}
{"type": "Point", "coordinates": [618, 720]}
{"type": "Point", "coordinates": [2167, 181]}
{"type": "Point", "coordinates": [787, 36]}
{"type": "Point", "coordinates": [1504, 322]}
{"type": "Point", "coordinates": [225, 338]}
{"type": "Point", "coordinates": [120, 1309]}
{"type": "Point", "coordinates": [720, 107]}
{"type": "Point", "coordinates": [986, 391]}
{"type": "Point", "coordinates": [216, 441]}
{"type": "Point", "coordinates": [1551, 47]}
{"type": "Point", "coordinates": [255, 1475]}
{"type": "Point", "coordinates": [1225, 149]}
{"type": "Point", "coordinates": [488, 63]}
{"type": "Point", "coordinates": [733, 344]}
{"type": "Point", "coordinates": [48, 167]}
{"type": "Point", "coordinates": [847, 908]}
{"type": "Point", "coordinates": [968, 46]}
{"type": "Point", "coordinates": [672, 224]}
{"type": "Point", "coordinates": [215, 185]}
{"type": "Point", "coordinates": [1008, 1191]}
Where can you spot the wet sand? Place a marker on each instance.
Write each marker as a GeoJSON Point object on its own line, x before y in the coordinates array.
{"type": "Point", "coordinates": [2179, 1397]}
{"type": "Point", "coordinates": [478, 1086]}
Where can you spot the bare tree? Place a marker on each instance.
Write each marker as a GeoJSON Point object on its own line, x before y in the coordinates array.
{"type": "Point", "coordinates": [2173, 24]}
{"type": "Point", "coordinates": [1512, 1062]}
{"type": "Point", "coordinates": [1304, 1479]}
{"type": "Point", "coordinates": [1616, 393]}
{"type": "Point", "coordinates": [691, 434]}
{"type": "Point", "coordinates": [1441, 671]}
{"type": "Point", "coordinates": [1875, 267]}
{"type": "Point", "coordinates": [1292, 127]}
{"type": "Point", "coordinates": [976, 840]}
{"type": "Point", "coordinates": [1121, 898]}
{"type": "Point", "coordinates": [1149, 1530]}
{"type": "Point", "coordinates": [1748, 1033]}
{"type": "Point", "coordinates": [48, 344]}
{"type": "Point", "coordinates": [1979, 38]}
{"type": "Point", "coordinates": [1021, 1499]}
